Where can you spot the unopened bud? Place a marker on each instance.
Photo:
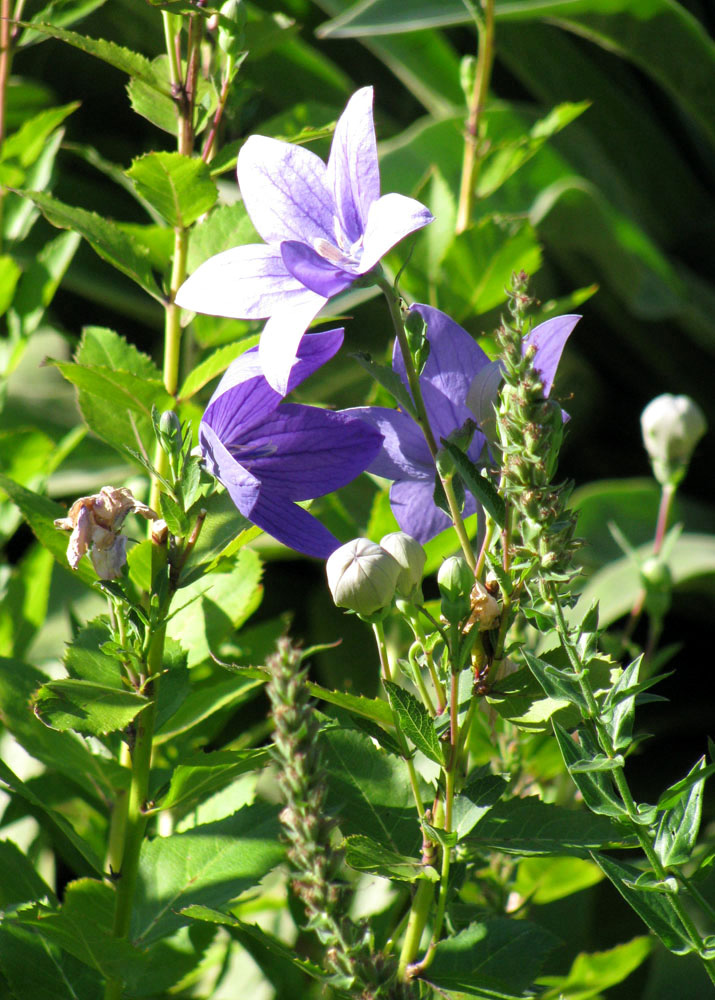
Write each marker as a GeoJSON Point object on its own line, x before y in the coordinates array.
{"type": "Point", "coordinates": [362, 576]}
{"type": "Point", "coordinates": [671, 427]}
{"type": "Point", "coordinates": [411, 557]}
{"type": "Point", "coordinates": [455, 581]}
{"type": "Point", "coordinates": [658, 585]}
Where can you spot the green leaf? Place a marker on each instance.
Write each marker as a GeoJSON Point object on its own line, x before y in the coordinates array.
{"type": "Point", "coordinates": [481, 487]}
{"type": "Point", "coordinates": [41, 280]}
{"type": "Point", "coordinates": [653, 908]}
{"type": "Point", "coordinates": [369, 791]}
{"type": "Point", "coordinates": [679, 825]}
{"type": "Point", "coordinates": [85, 660]}
{"type": "Point", "coordinates": [19, 882]}
{"type": "Point", "coordinates": [54, 821]}
{"type": "Point", "coordinates": [36, 969]}
{"type": "Point", "coordinates": [212, 608]}
{"type": "Point", "coordinates": [20, 213]}
{"type": "Point", "coordinates": [617, 586]}
{"type": "Point", "coordinates": [28, 142]}
{"type": "Point", "coordinates": [83, 927]}
{"type": "Point", "coordinates": [23, 610]}
{"type": "Point", "coordinates": [671, 796]}
{"type": "Point", "coordinates": [389, 380]}
{"type": "Point", "coordinates": [496, 958]}
{"type": "Point", "coordinates": [480, 794]}
{"type": "Point", "coordinates": [41, 513]}
{"type": "Point", "coordinates": [207, 865]}
{"type": "Point", "coordinates": [556, 683]}
{"type": "Point", "coordinates": [366, 855]}
{"type": "Point", "coordinates": [532, 828]}
{"type": "Point", "coordinates": [596, 787]}
{"type": "Point", "coordinates": [225, 531]}
{"type": "Point", "coordinates": [415, 722]}
{"type": "Point", "coordinates": [216, 363]}
{"type": "Point", "coordinates": [544, 880]}
{"type": "Point", "coordinates": [104, 236]}
{"type": "Point", "coordinates": [619, 705]}
{"type": "Point", "coordinates": [86, 707]}
{"type": "Point", "coordinates": [179, 187]}
{"type": "Point", "coordinates": [225, 227]}
{"type": "Point", "coordinates": [60, 13]}
{"type": "Point", "coordinates": [9, 276]}
{"type": "Point", "coordinates": [592, 973]}
{"type": "Point", "coordinates": [132, 63]}
{"type": "Point", "coordinates": [375, 709]}
{"type": "Point", "coordinates": [199, 776]}
{"type": "Point", "coordinates": [213, 700]}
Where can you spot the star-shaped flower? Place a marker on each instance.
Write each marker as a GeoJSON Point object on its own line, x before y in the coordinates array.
{"type": "Point", "coordinates": [324, 226]}
{"type": "Point", "coordinates": [269, 454]}
{"type": "Point", "coordinates": [455, 368]}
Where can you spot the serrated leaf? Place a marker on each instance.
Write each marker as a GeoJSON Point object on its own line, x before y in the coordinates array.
{"type": "Point", "coordinates": [179, 187]}
{"type": "Point", "coordinates": [104, 236]}
{"type": "Point", "coordinates": [36, 969]}
{"type": "Point", "coordinates": [212, 700]}
{"type": "Point", "coordinates": [619, 706]}
{"type": "Point", "coordinates": [374, 709]}
{"type": "Point", "coordinates": [86, 707]}
{"type": "Point", "coordinates": [592, 973]}
{"type": "Point", "coordinates": [653, 908]}
{"type": "Point", "coordinates": [674, 794]}
{"type": "Point", "coordinates": [27, 143]}
{"type": "Point", "coordinates": [85, 660]}
{"type": "Point", "coordinates": [480, 794]}
{"type": "Point", "coordinates": [132, 63]}
{"type": "Point", "coordinates": [482, 488]}
{"type": "Point", "coordinates": [555, 683]}
{"type": "Point", "coordinates": [366, 855]}
{"type": "Point", "coordinates": [415, 722]}
{"type": "Point", "coordinates": [678, 828]}
{"type": "Point", "coordinates": [19, 882]}
{"type": "Point", "coordinates": [212, 608]}
{"type": "Point", "coordinates": [532, 828]}
{"type": "Point", "coordinates": [498, 958]}
{"type": "Point", "coordinates": [208, 865]}
{"type": "Point", "coordinates": [199, 776]}
{"type": "Point", "coordinates": [596, 787]}
{"type": "Point", "coordinates": [369, 791]}
{"type": "Point", "coordinates": [544, 880]}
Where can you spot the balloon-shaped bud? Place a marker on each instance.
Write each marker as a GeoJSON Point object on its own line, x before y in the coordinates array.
{"type": "Point", "coordinates": [411, 557]}
{"type": "Point", "coordinates": [362, 576]}
{"type": "Point", "coordinates": [671, 427]}
{"type": "Point", "coordinates": [455, 581]}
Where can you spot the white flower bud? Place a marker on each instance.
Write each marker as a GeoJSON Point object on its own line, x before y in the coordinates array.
{"type": "Point", "coordinates": [411, 556]}
{"type": "Point", "coordinates": [362, 576]}
{"type": "Point", "coordinates": [671, 427]}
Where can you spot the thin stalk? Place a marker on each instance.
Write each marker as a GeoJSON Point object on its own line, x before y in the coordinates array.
{"type": "Point", "coordinates": [419, 681]}
{"type": "Point", "coordinates": [422, 418]}
{"type": "Point", "coordinates": [379, 632]}
{"type": "Point", "coordinates": [437, 684]}
{"type": "Point", "coordinates": [5, 62]}
{"type": "Point", "coordinates": [211, 138]}
{"type": "Point", "coordinates": [419, 912]}
{"type": "Point", "coordinates": [472, 152]}
{"type": "Point", "coordinates": [665, 507]}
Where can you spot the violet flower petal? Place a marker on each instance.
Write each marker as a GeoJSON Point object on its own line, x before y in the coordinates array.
{"type": "Point", "coordinates": [243, 390]}
{"type": "Point", "coordinates": [549, 339]}
{"type": "Point", "coordinates": [293, 526]}
{"type": "Point", "coordinates": [302, 452]}
{"type": "Point", "coordinates": [313, 271]}
{"type": "Point", "coordinates": [285, 190]}
{"type": "Point", "coordinates": [404, 451]}
{"type": "Point", "coordinates": [412, 503]}
{"type": "Point", "coordinates": [390, 219]}
{"type": "Point", "coordinates": [353, 171]}
{"type": "Point", "coordinates": [246, 282]}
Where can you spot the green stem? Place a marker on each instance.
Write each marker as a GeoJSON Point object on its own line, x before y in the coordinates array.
{"type": "Point", "coordinates": [5, 63]}
{"type": "Point", "coordinates": [419, 632]}
{"type": "Point", "coordinates": [421, 905]}
{"type": "Point", "coordinates": [379, 632]}
{"type": "Point", "coordinates": [622, 787]}
{"type": "Point", "coordinates": [393, 302]}
{"type": "Point", "coordinates": [472, 152]}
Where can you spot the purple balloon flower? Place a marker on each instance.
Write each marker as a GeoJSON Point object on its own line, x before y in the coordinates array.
{"type": "Point", "coordinates": [325, 226]}
{"type": "Point", "coordinates": [269, 454]}
{"type": "Point", "coordinates": [455, 368]}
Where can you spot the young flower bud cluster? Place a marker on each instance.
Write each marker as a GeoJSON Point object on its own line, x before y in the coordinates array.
{"type": "Point", "coordinates": [530, 433]}
{"type": "Point", "coordinates": [296, 751]}
{"type": "Point", "coordinates": [365, 577]}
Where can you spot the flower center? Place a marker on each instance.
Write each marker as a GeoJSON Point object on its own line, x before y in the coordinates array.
{"type": "Point", "coordinates": [345, 254]}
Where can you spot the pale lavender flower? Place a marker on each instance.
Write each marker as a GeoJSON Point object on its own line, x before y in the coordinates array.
{"type": "Point", "coordinates": [269, 454]}
{"type": "Point", "coordinates": [456, 364]}
{"type": "Point", "coordinates": [324, 225]}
